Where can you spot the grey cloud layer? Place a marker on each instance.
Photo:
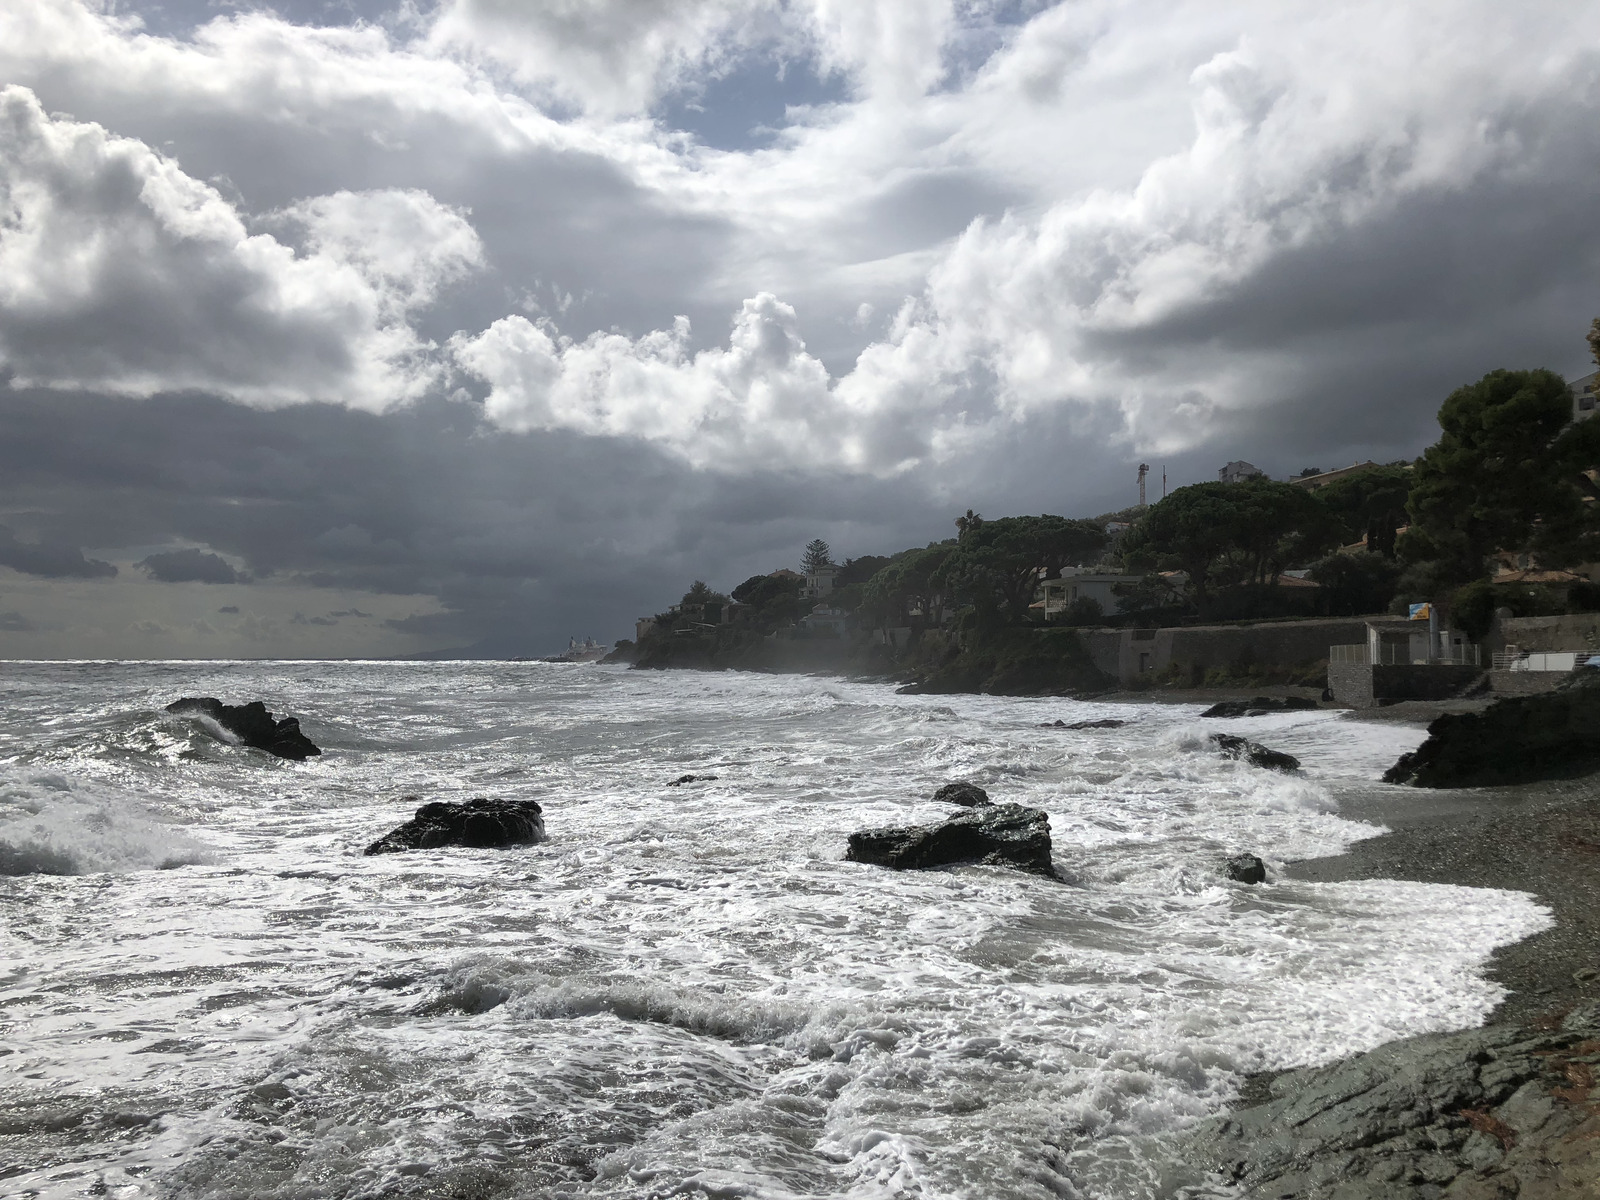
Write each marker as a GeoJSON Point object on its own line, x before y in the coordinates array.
{"type": "Point", "coordinates": [1013, 248]}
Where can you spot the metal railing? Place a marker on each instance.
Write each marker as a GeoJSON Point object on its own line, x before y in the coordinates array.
{"type": "Point", "coordinates": [1396, 654]}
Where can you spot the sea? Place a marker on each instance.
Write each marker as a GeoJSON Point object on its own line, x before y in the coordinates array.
{"type": "Point", "coordinates": [206, 990]}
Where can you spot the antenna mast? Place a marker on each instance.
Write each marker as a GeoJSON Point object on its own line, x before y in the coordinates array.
{"type": "Point", "coordinates": [1144, 469]}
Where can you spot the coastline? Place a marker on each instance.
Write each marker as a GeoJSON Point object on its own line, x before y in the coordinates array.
{"type": "Point", "coordinates": [1538, 838]}
{"type": "Point", "coordinates": [1509, 1109]}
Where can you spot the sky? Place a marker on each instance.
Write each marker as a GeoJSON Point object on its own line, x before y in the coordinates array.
{"type": "Point", "coordinates": [355, 328]}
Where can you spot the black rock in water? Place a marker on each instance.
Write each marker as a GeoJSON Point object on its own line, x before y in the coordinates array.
{"type": "Point", "coordinates": [1520, 739]}
{"type": "Point", "coordinates": [1247, 868]}
{"type": "Point", "coordinates": [683, 779]}
{"type": "Point", "coordinates": [968, 795]}
{"type": "Point", "coordinates": [1103, 723]}
{"type": "Point", "coordinates": [1254, 753]}
{"type": "Point", "coordinates": [1259, 706]}
{"type": "Point", "coordinates": [253, 725]}
{"type": "Point", "coordinates": [1008, 835]}
{"type": "Point", "coordinates": [477, 823]}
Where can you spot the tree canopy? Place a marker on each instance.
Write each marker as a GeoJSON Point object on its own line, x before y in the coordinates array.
{"type": "Point", "coordinates": [1506, 474]}
{"type": "Point", "coordinates": [1369, 504]}
{"type": "Point", "coordinates": [817, 556]}
{"type": "Point", "coordinates": [997, 564]}
{"type": "Point", "coordinates": [1244, 532]}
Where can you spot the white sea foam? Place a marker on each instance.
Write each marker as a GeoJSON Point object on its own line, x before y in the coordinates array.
{"type": "Point", "coordinates": [52, 825]}
{"type": "Point", "coordinates": [686, 990]}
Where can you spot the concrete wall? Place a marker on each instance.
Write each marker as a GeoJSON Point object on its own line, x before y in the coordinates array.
{"type": "Point", "coordinates": [1525, 683]}
{"type": "Point", "coordinates": [1578, 631]}
{"type": "Point", "coordinates": [1351, 683]}
{"type": "Point", "coordinates": [1126, 654]}
{"type": "Point", "coordinates": [1433, 682]}
{"type": "Point", "coordinates": [1363, 685]}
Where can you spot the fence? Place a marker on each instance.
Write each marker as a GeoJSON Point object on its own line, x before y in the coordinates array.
{"type": "Point", "coordinates": [1398, 654]}
{"type": "Point", "coordinates": [1548, 660]}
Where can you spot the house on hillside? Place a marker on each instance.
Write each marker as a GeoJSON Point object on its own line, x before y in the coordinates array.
{"type": "Point", "coordinates": [1323, 478]}
{"type": "Point", "coordinates": [1584, 392]}
{"type": "Point", "coordinates": [819, 583]}
{"type": "Point", "coordinates": [1057, 595]}
{"type": "Point", "coordinates": [1239, 470]}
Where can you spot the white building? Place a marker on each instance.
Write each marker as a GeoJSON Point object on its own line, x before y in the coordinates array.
{"type": "Point", "coordinates": [1057, 595]}
{"type": "Point", "coordinates": [1239, 470]}
{"type": "Point", "coordinates": [1584, 392]}
{"type": "Point", "coordinates": [819, 583]}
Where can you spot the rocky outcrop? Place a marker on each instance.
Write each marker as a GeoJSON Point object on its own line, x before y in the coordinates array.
{"type": "Point", "coordinates": [477, 823]}
{"type": "Point", "coordinates": [1521, 739]}
{"type": "Point", "coordinates": [998, 834]}
{"type": "Point", "coordinates": [252, 724]}
{"type": "Point", "coordinates": [1254, 753]}
{"type": "Point", "coordinates": [1259, 706]}
{"type": "Point", "coordinates": [1104, 723]}
{"type": "Point", "coordinates": [683, 779]}
{"type": "Point", "coordinates": [1489, 1113]}
{"type": "Point", "coordinates": [1246, 868]}
{"type": "Point", "coordinates": [964, 793]}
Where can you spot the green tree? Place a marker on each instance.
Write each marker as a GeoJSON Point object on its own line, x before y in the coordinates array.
{"type": "Point", "coordinates": [997, 565]}
{"type": "Point", "coordinates": [1356, 584]}
{"type": "Point", "coordinates": [1506, 474]}
{"type": "Point", "coordinates": [1245, 532]}
{"type": "Point", "coordinates": [1369, 504]}
{"type": "Point", "coordinates": [1594, 340]}
{"type": "Point", "coordinates": [907, 583]}
{"type": "Point", "coordinates": [816, 557]}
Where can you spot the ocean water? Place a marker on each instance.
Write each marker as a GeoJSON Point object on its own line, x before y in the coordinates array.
{"type": "Point", "coordinates": [207, 991]}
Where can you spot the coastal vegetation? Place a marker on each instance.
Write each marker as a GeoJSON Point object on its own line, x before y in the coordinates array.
{"type": "Point", "coordinates": [1490, 517]}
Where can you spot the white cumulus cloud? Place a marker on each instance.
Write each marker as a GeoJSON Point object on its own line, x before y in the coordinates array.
{"type": "Point", "coordinates": [121, 273]}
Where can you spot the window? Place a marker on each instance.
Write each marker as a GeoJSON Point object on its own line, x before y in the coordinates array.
{"type": "Point", "coordinates": [1586, 403]}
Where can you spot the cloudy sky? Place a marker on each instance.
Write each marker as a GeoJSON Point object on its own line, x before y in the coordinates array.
{"type": "Point", "coordinates": [371, 327]}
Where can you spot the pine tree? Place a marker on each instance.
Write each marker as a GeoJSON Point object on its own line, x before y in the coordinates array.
{"type": "Point", "coordinates": [817, 556]}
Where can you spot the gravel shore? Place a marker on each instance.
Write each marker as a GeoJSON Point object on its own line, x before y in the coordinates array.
{"type": "Point", "coordinates": [1541, 838]}
{"type": "Point", "coordinates": [1509, 1110]}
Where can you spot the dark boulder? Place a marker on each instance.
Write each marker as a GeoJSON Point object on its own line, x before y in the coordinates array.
{"type": "Point", "coordinates": [1247, 868]}
{"type": "Point", "coordinates": [1254, 753]}
{"type": "Point", "coordinates": [252, 724]}
{"type": "Point", "coordinates": [1259, 706]}
{"type": "Point", "coordinates": [968, 795]}
{"type": "Point", "coordinates": [1103, 723]}
{"type": "Point", "coordinates": [477, 823]}
{"type": "Point", "coordinates": [1519, 739]}
{"type": "Point", "coordinates": [999, 834]}
{"type": "Point", "coordinates": [683, 779]}
{"type": "Point", "coordinates": [1501, 1111]}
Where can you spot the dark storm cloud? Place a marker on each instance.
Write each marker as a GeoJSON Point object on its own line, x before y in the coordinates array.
{"type": "Point", "coordinates": [50, 560]}
{"type": "Point", "coordinates": [15, 622]}
{"type": "Point", "coordinates": [189, 566]}
{"type": "Point", "coordinates": [510, 532]}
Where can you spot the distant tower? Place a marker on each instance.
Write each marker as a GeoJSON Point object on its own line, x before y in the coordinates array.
{"type": "Point", "coordinates": [1144, 469]}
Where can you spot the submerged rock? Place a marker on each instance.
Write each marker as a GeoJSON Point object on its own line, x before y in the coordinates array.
{"type": "Point", "coordinates": [964, 793]}
{"type": "Point", "coordinates": [1103, 723]}
{"type": "Point", "coordinates": [1495, 1112]}
{"type": "Point", "coordinates": [477, 823]}
{"type": "Point", "coordinates": [1520, 739]}
{"type": "Point", "coordinates": [252, 724]}
{"type": "Point", "coordinates": [1254, 753]}
{"type": "Point", "coordinates": [1259, 706]}
{"type": "Point", "coordinates": [683, 779]}
{"type": "Point", "coordinates": [999, 834]}
{"type": "Point", "coordinates": [1247, 868]}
